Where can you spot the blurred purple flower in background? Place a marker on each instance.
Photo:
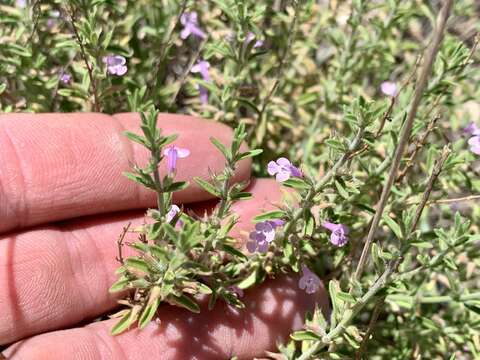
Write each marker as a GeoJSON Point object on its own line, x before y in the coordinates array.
{"type": "Point", "coordinates": [250, 37]}
{"type": "Point", "coordinates": [52, 20]}
{"type": "Point", "coordinates": [202, 67]}
{"type": "Point", "coordinates": [339, 233]}
{"type": "Point", "coordinates": [472, 129]}
{"type": "Point", "coordinates": [189, 20]}
{"type": "Point", "coordinates": [173, 153]}
{"type": "Point", "coordinates": [474, 143]}
{"type": "Point", "coordinates": [116, 64]}
{"type": "Point", "coordinates": [21, 3]}
{"type": "Point", "coordinates": [65, 78]}
{"type": "Point", "coordinates": [309, 281]}
{"type": "Point", "coordinates": [389, 88]}
{"type": "Point", "coordinates": [283, 169]}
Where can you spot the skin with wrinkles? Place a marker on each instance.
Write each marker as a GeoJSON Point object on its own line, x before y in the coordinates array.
{"type": "Point", "coordinates": [55, 275]}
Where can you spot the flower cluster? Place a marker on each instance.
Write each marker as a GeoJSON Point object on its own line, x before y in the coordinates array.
{"type": "Point", "coordinates": [116, 64]}
{"type": "Point", "coordinates": [263, 235]}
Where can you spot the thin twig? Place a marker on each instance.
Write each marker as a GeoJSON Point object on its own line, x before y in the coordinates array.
{"type": "Point", "coordinates": [419, 143]}
{"type": "Point", "coordinates": [407, 129]}
{"type": "Point", "coordinates": [93, 83]}
{"type": "Point", "coordinates": [371, 326]}
{"type": "Point", "coordinates": [119, 258]}
{"type": "Point", "coordinates": [453, 200]}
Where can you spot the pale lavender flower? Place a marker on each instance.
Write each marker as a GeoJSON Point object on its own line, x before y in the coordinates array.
{"type": "Point", "coordinates": [65, 78]}
{"type": "Point", "coordinates": [21, 3]}
{"type": "Point", "coordinates": [474, 143]}
{"type": "Point", "coordinates": [52, 20]}
{"type": "Point", "coordinates": [263, 235]}
{"type": "Point", "coordinates": [250, 37]}
{"type": "Point", "coordinates": [283, 169]}
{"type": "Point", "coordinates": [309, 281]}
{"type": "Point", "coordinates": [389, 88]}
{"type": "Point", "coordinates": [116, 64]}
{"type": "Point", "coordinates": [173, 153]}
{"type": "Point", "coordinates": [339, 233]}
{"type": "Point", "coordinates": [172, 212]}
{"type": "Point", "coordinates": [202, 67]}
{"type": "Point", "coordinates": [189, 20]}
{"type": "Point", "coordinates": [472, 129]}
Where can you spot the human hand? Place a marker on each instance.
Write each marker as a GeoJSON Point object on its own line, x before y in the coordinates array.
{"type": "Point", "coordinates": [61, 196]}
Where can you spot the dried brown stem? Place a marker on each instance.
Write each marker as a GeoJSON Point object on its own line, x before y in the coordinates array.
{"type": "Point", "coordinates": [93, 83]}
{"type": "Point", "coordinates": [119, 258]}
{"type": "Point", "coordinates": [406, 131]}
{"type": "Point", "coordinates": [419, 143]}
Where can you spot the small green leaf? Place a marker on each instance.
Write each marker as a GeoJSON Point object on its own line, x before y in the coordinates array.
{"type": "Point", "coordinates": [226, 153]}
{"type": "Point", "coordinates": [271, 215]}
{"type": "Point", "coordinates": [126, 321]}
{"type": "Point", "coordinates": [207, 186]}
{"type": "Point", "coordinates": [151, 307]}
{"type": "Point", "coordinates": [393, 226]}
{"type": "Point", "coordinates": [232, 251]}
{"type": "Point", "coordinates": [296, 183]}
{"type": "Point", "coordinates": [341, 190]}
{"type": "Point", "coordinates": [176, 186]}
{"type": "Point", "coordinates": [137, 264]}
{"type": "Point", "coordinates": [186, 302]}
{"type": "Point", "coordinates": [250, 153]}
{"type": "Point", "coordinates": [119, 285]}
{"type": "Point", "coordinates": [305, 335]}
{"type": "Point", "coordinates": [346, 297]}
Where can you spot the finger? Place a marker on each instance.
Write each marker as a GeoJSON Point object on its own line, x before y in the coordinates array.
{"type": "Point", "coordinates": [272, 311]}
{"type": "Point", "coordinates": [55, 277]}
{"type": "Point", "coordinates": [59, 166]}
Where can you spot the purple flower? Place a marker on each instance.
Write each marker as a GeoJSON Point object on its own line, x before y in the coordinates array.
{"type": "Point", "coordinates": [202, 67]}
{"type": "Point", "coordinates": [173, 153]}
{"type": "Point", "coordinates": [339, 233]}
{"type": "Point", "coordinates": [309, 281]}
{"type": "Point", "coordinates": [115, 64]}
{"type": "Point", "coordinates": [65, 78]}
{"type": "Point", "coordinates": [52, 20]}
{"type": "Point", "coordinates": [189, 20]}
{"type": "Point", "coordinates": [21, 3]}
{"type": "Point", "coordinates": [474, 143]}
{"type": "Point", "coordinates": [263, 235]}
{"type": "Point", "coordinates": [389, 88]}
{"type": "Point", "coordinates": [472, 129]}
{"type": "Point", "coordinates": [283, 169]}
{"type": "Point", "coordinates": [172, 212]}
{"type": "Point", "coordinates": [250, 37]}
